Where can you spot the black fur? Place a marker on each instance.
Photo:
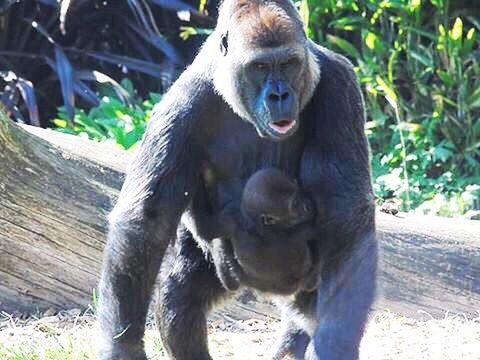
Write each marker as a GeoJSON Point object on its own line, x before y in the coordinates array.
{"type": "Point", "coordinates": [195, 132]}
{"type": "Point", "coordinates": [186, 265]}
{"type": "Point", "coordinates": [262, 239]}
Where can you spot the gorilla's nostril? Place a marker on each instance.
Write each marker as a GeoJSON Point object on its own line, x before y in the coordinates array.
{"type": "Point", "coordinates": [274, 97]}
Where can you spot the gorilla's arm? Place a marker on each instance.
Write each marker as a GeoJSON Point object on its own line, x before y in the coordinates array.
{"type": "Point", "coordinates": [208, 225]}
{"type": "Point", "coordinates": [157, 190]}
{"type": "Point", "coordinates": [217, 230]}
{"type": "Point", "coordinates": [335, 170]}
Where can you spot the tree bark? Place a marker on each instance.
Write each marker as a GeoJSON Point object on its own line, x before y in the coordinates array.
{"type": "Point", "coordinates": [56, 191]}
{"type": "Point", "coordinates": [429, 264]}
{"type": "Point", "coordinates": [54, 199]}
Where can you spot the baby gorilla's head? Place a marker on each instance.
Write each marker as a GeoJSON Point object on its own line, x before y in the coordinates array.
{"type": "Point", "coordinates": [271, 198]}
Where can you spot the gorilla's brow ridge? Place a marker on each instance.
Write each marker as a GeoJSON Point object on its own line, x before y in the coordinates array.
{"type": "Point", "coordinates": [278, 53]}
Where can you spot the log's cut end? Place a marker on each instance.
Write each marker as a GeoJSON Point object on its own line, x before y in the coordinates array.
{"type": "Point", "coordinates": [53, 208]}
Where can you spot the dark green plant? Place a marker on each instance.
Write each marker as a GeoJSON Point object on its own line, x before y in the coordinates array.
{"type": "Point", "coordinates": [419, 63]}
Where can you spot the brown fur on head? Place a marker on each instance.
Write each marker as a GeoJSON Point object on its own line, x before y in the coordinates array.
{"type": "Point", "coordinates": [268, 25]}
{"type": "Point", "coordinates": [254, 29]}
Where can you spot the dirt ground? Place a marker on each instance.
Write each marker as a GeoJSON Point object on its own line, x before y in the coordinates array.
{"type": "Point", "coordinates": [71, 335]}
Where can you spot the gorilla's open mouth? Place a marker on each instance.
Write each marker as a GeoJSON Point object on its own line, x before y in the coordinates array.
{"type": "Point", "coordinates": [283, 126]}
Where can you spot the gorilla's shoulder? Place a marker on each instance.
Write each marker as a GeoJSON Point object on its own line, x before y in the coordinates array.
{"type": "Point", "coordinates": [338, 92]}
{"type": "Point", "coordinates": [333, 66]}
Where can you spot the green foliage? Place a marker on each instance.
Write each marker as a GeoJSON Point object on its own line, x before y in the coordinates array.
{"type": "Point", "coordinates": [419, 63]}
{"type": "Point", "coordinates": [112, 120]}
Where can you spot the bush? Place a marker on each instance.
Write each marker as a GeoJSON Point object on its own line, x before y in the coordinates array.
{"type": "Point", "coordinates": [112, 120]}
{"type": "Point", "coordinates": [418, 62]}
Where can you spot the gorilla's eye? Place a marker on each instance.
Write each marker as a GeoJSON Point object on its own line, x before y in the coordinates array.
{"type": "Point", "coordinates": [289, 62]}
{"type": "Point", "coordinates": [260, 65]}
{"type": "Point", "coordinates": [269, 220]}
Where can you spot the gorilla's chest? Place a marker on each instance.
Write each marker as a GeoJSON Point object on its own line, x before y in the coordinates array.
{"type": "Point", "coordinates": [237, 152]}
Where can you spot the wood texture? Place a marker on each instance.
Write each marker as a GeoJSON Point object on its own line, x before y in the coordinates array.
{"type": "Point", "coordinates": [56, 191]}
{"type": "Point", "coordinates": [429, 264]}
{"type": "Point", "coordinates": [53, 206]}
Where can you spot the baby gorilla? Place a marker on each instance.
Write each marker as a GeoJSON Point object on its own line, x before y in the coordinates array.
{"type": "Point", "coordinates": [254, 241]}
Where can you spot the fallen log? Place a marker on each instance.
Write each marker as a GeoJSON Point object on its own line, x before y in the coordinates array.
{"type": "Point", "coordinates": [54, 198]}
{"type": "Point", "coordinates": [55, 193]}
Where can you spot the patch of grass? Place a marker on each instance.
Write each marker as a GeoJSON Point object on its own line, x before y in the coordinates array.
{"type": "Point", "coordinates": [68, 336]}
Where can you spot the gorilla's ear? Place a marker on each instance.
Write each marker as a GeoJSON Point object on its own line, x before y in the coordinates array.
{"type": "Point", "coordinates": [224, 44]}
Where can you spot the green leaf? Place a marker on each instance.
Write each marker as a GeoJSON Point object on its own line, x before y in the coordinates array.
{"type": "Point", "coordinates": [445, 77]}
{"type": "Point", "coordinates": [187, 31]}
{"type": "Point", "coordinates": [457, 30]}
{"type": "Point", "coordinates": [60, 123]}
{"type": "Point", "coordinates": [422, 32]}
{"type": "Point", "coordinates": [201, 5]}
{"type": "Point", "coordinates": [391, 64]}
{"type": "Point", "coordinates": [305, 14]}
{"type": "Point", "coordinates": [344, 45]}
{"type": "Point", "coordinates": [421, 58]}
{"type": "Point", "coordinates": [469, 41]}
{"type": "Point", "coordinates": [347, 23]}
{"type": "Point", "coordinates": [371, 40]}
{"type": "Point", "coordinates": [438, 3]}
{"type": "Point", "coordinates": [414, 4]}
{"type": "Point", "coordinates": [474, 100]}
{"type": "Point", "coordinates": [389, 93]}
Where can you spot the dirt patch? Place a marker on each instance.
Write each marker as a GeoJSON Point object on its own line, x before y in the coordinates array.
{"type": "Point", "coordinates": [71, 335]}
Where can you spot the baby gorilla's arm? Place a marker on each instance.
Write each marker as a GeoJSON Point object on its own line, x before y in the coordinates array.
{"type": "Point", "coordinates": [217, 229]}
{"type": "Point", "coordinates": [228, 270]}
{"type": "Point", "coordinates": [227, 267]}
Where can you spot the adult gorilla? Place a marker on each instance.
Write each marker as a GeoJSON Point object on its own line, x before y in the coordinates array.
{"type": "Point", "coordinates": [259, 94]}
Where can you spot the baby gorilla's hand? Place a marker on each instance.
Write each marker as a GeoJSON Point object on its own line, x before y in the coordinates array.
{"type": "Point", "coordinates": [227, 268]}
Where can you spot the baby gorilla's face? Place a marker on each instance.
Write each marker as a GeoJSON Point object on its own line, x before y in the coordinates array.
{"type": "Point", "coordinates": [285, 212]}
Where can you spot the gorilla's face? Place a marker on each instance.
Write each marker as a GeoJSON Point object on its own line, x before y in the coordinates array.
{"type": "Point", "coordinates": [265, 71]}
{"type": "Point", "coordinates": [270, 91]}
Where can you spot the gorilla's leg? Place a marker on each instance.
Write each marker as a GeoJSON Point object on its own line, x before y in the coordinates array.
{"type": "Point", "coordinates": [345, 295]}
{"type": "Point", "coordinates": [189, 290]}
{"type": "Point", "coordinates": [130, 266]}
{"type": "Point", "coordinates": [141, 226]}
{"type": "Point", "coordinates": [298, 324]}
{"type": "Point", "coordinates": [292, 343]}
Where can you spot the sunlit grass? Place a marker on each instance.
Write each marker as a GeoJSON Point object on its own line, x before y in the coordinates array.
{"type": "Point", "coordinates": [388, 337]}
